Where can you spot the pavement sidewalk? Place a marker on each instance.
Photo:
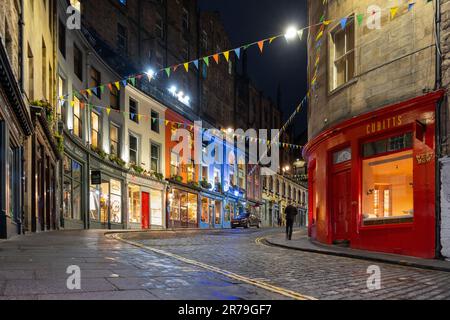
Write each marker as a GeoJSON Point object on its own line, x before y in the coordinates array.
{"type": "Point", "coordinates": [301, 242]}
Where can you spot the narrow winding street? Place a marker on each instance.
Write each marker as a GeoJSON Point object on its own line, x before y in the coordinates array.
{"type": "Point", "coordinates": [192, 265]}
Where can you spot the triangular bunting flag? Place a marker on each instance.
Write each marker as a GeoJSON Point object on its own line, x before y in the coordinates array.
{"type": "Point", "coordinates": [216, 58]}
{"type": "Point", "coordinates": [72, 103]}
{"type": "Point", "coordinates": [226, 54]}
{"type": "Point", "coordinates": [271, 40]}
{"type": "Point", "coordinates": [246, 47]}
{"type": "Point", "coordinates": [167, 122]}
{"type": "Point", "coordinates": [133, 81]}
{"type": "Point", "coordinates": [175, 68]}
{"type": "Point", "coordinates": [102, 89]}
{"type": "Point", "coordinates": [110, 87]}
{"type": "Point", "coordinates": [319, 35]}
{"type": "Point", "coordinates": [206, 60]}
{"type": "Point", "coordinates": [360, 18]}
{"type": "Point", "coordinates": [261, 45]}
{"type": "Point", "coordinates": [196, 63]}
{"type": "Point", "coordinates": [168, 72]}
{"type": "Point", "coordinates": [343, 23]}
{"type": "Point", "coordinates": [117, 84]}
{"type": "Point", "coordinates": [393, 12]}
{"type": "Point", "coordinates": [186, 66]}
{"type": "Point", "coordinates": [89, 92]}
{"type": "Point", "coordinates": [238, 52]}
{"type": "Point", "coordinates": [95, 91]}
{"type": "Point", "coordinates": [300, 34]}
{"type": "Point", "coordinates": [108, 111]}
{"type": "Point", "coordinates": [411, 5]}
{"type": "Point", "coordinates": [124, 82]}
{"type": "Point", "coordinates": [327, 22]}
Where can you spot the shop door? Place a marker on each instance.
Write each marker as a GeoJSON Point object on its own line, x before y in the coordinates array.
{"type": "Point", "coordinates": [145, 210]}
{"type": "Point", "coordinates": [341, 205]}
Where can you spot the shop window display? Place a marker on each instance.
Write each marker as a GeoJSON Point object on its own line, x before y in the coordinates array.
{"type": "Point", "coordinates": [388, 190]}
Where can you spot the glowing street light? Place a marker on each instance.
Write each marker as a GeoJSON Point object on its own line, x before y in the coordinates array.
{"type": "Point", "coordinates": [150, 74]}
{"type": "Point", "coordinates": [173, 90]}
{"type": "Point", "coordinates": [291, 33]}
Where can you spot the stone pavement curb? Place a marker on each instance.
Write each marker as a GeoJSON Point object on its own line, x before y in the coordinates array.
{"type": "Point", "coordinates": [314, 247]}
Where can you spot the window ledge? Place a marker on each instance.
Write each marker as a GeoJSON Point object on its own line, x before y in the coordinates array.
{"type": "Point", "coordinates": [343, 86]}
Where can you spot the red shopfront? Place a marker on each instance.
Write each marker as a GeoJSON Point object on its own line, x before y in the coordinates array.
{"type": "Point", "coordinates": [372, 180]}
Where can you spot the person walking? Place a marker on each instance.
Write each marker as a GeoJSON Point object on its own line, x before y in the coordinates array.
{"type": "Point", "coordinates": [290, 213]}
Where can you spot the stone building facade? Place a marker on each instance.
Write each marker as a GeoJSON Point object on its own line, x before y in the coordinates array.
{"type": "Point", "coordinates": [278, 192]}
{"type": "Point", "coordinates": [371, 153]}
{"type": "Point", "coordinates": [29, 154]}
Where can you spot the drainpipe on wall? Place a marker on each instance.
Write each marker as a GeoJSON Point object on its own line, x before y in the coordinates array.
{"type": "Point", "coordinates": [438, 244]}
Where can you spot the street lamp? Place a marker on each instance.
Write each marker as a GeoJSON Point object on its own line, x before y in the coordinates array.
{"type": "Point", "coordinates": [150, 74]}
{"type": "Point", "coordinates": [291, 33]}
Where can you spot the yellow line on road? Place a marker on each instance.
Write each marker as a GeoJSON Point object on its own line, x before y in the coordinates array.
{"type": "Point", "coordinates": [256, 283]}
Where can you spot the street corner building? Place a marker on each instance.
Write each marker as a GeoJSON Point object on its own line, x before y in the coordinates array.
{"type": "Point", "coordinates": [374, 127]}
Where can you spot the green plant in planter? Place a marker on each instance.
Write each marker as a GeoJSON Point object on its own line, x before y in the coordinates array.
{"type": "Point", "coordinates": [59, 142]}
{"type": "Point", "coordinates": [48, 108]}
{"type": "Point", "coordinates": [178, 179]}
{"type": "Point", "coordinates": [205, 184]}
{"type": "Point", "coordinates": [194, 184]}
{"type": "Point", "coordinates": [158, 176]}
{"type": "Point", "coordinates": [137, 169]}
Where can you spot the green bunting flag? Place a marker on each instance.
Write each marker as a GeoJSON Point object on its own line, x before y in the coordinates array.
{"type": "Point", "coordinates": [168, 72]}
{"type": "Point", "coordinates": [360, 18]}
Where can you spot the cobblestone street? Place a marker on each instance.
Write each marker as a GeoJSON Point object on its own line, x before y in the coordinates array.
{"type": "Point", "coordinates": [316, 275]}
{"type": "Point", "coordinates": [34, 267]}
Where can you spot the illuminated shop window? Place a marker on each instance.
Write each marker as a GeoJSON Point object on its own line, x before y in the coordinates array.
{"type": "Point", "coordinates": [183, 207]}
{"type": "Point", "coordinates": [116, 201]}
{"type": "Point", "coordinates": [134, 204]}
{"type": "Point", "coordinates": [205, 210]}
{"type": "Point", "coordinates": [156, 208]}
{"type": "Point", "coordinates": [388, 181]}
{"type": "Point", "coordinates": [95, 129]}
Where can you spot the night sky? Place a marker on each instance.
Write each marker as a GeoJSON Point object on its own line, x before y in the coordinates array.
{"type": "Point", "coordinates": [282, 63]}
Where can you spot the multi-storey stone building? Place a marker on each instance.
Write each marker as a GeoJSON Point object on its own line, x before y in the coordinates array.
{"type": "Point", "coordinates": [372, 119]}
{"type": "Point", "coordinates": [30, 156]}
{"type": "Point", "coordinates": [278, 192]}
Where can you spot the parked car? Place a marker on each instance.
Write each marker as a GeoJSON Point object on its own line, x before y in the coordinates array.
{"type": "Point", "coordinates": [246, 220]}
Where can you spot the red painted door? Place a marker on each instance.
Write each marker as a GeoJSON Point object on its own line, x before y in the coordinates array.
{"type": "Point", "coordinates": [341, 205]}
{"type": "Point", "coordinates": [145, 210]}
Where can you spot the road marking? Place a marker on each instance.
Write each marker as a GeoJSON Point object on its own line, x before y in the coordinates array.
{"type": "Point", "coordinates": [254, 282]}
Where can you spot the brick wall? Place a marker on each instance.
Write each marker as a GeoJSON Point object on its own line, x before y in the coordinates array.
{"type": "Point", "coordinates": [386, 71]}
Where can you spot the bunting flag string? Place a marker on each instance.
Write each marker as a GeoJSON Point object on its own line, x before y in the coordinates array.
{"type": "Point", "coordinates": [393, 12]}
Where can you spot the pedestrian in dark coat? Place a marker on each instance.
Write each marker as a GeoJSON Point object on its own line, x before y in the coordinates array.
{"type": "Point", "coordinates": [290, 213]}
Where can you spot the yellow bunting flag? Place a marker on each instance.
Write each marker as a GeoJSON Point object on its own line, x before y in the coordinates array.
{"type": "Point", "coordinates": [261, 45]}
{"type": "Point", "coordinates": [327, 22]}
{"type": "Point", "coordinates": [89, 91]}
{"type": "Point", "coordinates": [394, 11]}
{"type": "Point", "coordinates": [271, 39]}
{"type": "Point", "coordinates": [72, 103]}
{"type": "Point", "coordinates": [319, 35]}
{"type": "Point", "coordinates": [216, 58]}
{"type": "Point", "coordinates": [226, 54]}
{"type": "Point", "coordinates": [167, 122]}
{"type": "Point", "coordinates": [117, 84]}
{"type": "Point", "coordinates": [108, 111]}
{"type": "Point", "coordinates": [186, 66]}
